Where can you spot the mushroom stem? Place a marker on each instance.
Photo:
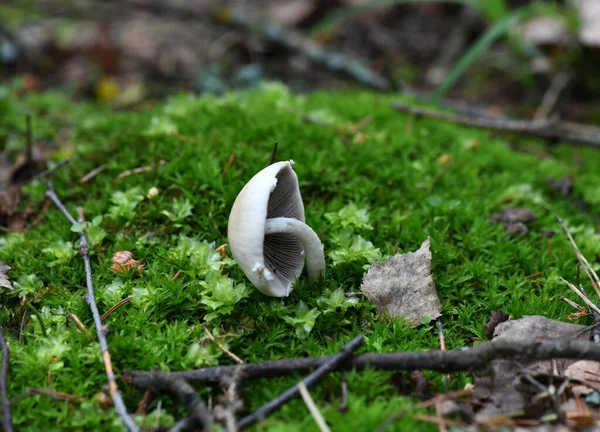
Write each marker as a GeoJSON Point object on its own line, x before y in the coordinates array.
{"type": "Point", "coordinates": [315, 258]}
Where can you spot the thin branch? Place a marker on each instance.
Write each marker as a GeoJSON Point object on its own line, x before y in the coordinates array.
{"type": "Point", "coordinates": [456, 360]}
{"type": "Point", "coordinates": [312, 407]}
{"type": "Point", "coordinates": [589, 271]}
{"type": "Point", "coordinates": [7, 424]}
{"type": "Point", "coordinates": [274, 154]}
{"type": "Point", "coordinates": [77, 321]}
{"type": "Point", "coordinates": [93, 173]}
{"type": "Point", "coordinates": [200, 415]}
{"type": "Point", "coordinates": [326, 367]}
{"type": "Point", "coordinates": [294, 41]}
{"type": "Point", "coordinates": [115, 307]}
{"type": "Point", "coordinates": [558, 84]}
{"type": "Point", "coordinates": [221, 346]}
{"type": "Point", "coordinates": [550, 128]}
{"type": "Point", "coordinates": [91, 300]}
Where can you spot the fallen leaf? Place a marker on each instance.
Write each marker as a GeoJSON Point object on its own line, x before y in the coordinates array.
{"type": "Point", "coordinates": [496, 317]}
{"type": "Point", "coordinates": [584, 370]}
{"type": "Point", "coordinates": [498, 394]}
{"type": "Point", "coordinates": [403, 286]}
{"type": "Point", "coordinates": [514, 219]}
{"type": "Point", "coordinates": [4, 280]}
{"type": "Point", "coordinates": [123, 261]}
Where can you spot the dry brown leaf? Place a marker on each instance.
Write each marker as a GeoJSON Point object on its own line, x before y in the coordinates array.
{"type": "Point", "coordinates": [584, 370]}
{"type": "Point", "coordinates": [123, 261]}
{"type": "Point", "coordinates": [403, 286]}
{"type": "Point", "coordinates": [4, 280]}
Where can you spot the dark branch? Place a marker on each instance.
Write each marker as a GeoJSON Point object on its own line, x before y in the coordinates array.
{"type": "Point", "coordinates": [85, 252]}
{"type": "Point", "coordinates": [274, 154]}
{"type": "Point", "coordinates": [461, 359]}
{"type": "Point", "coordinates": [331, 364]}
{"type": "Point", "coordinates": [550, 129]}
{"type": "Point", "coordinates": [200, 417]}
{"type": "Point", "coordinates": [7, 424]}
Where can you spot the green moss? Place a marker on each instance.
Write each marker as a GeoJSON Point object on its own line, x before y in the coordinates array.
{"type": "Point", "coordinates": [391, 169]}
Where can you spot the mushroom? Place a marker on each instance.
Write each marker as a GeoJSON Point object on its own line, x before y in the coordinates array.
{"type": "Point", "coordinates": [267, 233]}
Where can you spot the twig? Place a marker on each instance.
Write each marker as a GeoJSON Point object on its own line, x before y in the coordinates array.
{"type": "Point", "coordinates": [274, 154]}
{"type": "Point", "coordinates": [91, 300]}
{"type": "Point", "coordinates": [550, 129]}
{"type": "Point", "coordinates": [589, 271]}
{"type": "Point", "coordinates": [52, 394]}
{"type": "Point", "coordinates": [456, 360]}
{"type": "Point", "coordinates": [571, 303]}
{"type": "Point", "coordinates": [7, 424]}
{"type": "Point", "coordinates": [440, 328]}
{"type": "Point", "coordinates": [312, 407]}
{"type": "Point", "coordinates": [144, 402]}
{"type": "Point", "coordinates": [48, 171]}
{"type": "Point", "coordinates": [220, 345]}
{"type": "Point", "coordinates": [199, 417]}
{"type": "Point", "coordinates": [77, 321]}
{"type": "Point", "coordinates": [295, 42]}
{"type": "Point", "coordinates": [233, 404]}
{"type": "Point", "coordinates": [558, 84]}
{"type": "Point", "coordinates": [139, 170]}
{"type": "Point", "coordinates": [332, 363]}
{"type": "Point", "coordinates": [115, 307]}
{"type": "Point", "coordinates": [93, 173]}
{"type": "Point", "coordinates": [177, 275]}
{"type": "Point", "coordinates": [583, 297]}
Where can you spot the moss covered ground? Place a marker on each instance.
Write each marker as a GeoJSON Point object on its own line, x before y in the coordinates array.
{"type": "Point", "coordinates": [370, 193]}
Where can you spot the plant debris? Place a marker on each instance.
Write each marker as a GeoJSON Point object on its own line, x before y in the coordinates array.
{"type": "Point", "coordinates": [123, 261]}
{"type": "Point", "coordinates": [403, 286]}
{"type": "Point", "coordinates": [514, 219]}
{"type": "Point", "coordinates": [4, 280]}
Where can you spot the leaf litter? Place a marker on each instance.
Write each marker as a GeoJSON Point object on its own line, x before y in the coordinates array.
{"type": "Point", "coordinates": [403, 286]}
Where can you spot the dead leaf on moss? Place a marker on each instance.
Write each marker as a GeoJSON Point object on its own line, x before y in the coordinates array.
{"type": "Point", "coordinates": [123, 261]}
{"type": "Point", "coordinates": [403, 286]}
{"type": "Point", "coordinates": [4, 280]}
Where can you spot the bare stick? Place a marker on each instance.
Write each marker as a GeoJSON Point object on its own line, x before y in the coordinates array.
{"type": "Point", "coordinates": [199, 417]}
{"type": "Point", "coordinates": [312, 407]}
{"type": "Point", "coordinates": [220, 345]}
{"type": "Point", "coordinates": [456, 360]}
{"type": "Point", "coordinates": [550, 128]}
{"type": "Point", "coordinates": [77, 321]}
{"type": "Point", "coordinates": [93, 173]}
{"type": "Point", "coordinates": [440, 328]}
{"type": "Point", "coordinates": [331, 364]}
{"type": "Point", "coordinates": [115, 307]}
{"type": "Point", "coordinates": [589, 271]}
{"type": "Point", "coordinates": [91, 300]}
{"type": "Point", "coordinates": [7, 424]}
{"type": "Point", "coordinates": [571, 303]}
{"type": "Point", "coordinates": [558, 84]}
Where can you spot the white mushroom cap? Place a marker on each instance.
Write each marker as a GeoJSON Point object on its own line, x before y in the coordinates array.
{"type": "Point", "coordinates": [272, 262]}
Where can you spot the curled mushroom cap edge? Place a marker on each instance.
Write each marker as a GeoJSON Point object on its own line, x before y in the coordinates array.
{"type": "Point", "coordinates": [267, 234]}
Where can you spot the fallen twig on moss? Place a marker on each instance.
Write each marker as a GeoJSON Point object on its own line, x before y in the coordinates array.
{"type": "Point", "coordinates": [91, 300]}
{"type": "Point", "coordinates": [547, 128]}
{"type": "Point", "coordinates": [326, 367]}
{"type": "Point", "coordinates": [295, 42]}
{"type": "Point", "coordinates": [7, 424]}
{"type": "Point", "coordinates": [200, 417]}
{"type": "Point", "coordinates": [456, 360]}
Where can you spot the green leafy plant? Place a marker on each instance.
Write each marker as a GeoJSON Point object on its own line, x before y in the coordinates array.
{"type": "Point", "coordinates": [350, 216]}
{"type": "Point", "coordinates": [336, 302]}
{"type": "Point", "coordinates": [124, 203]}
{"type": "Point", "coordinates": [62, 251]}
{"type": "Point", "coordinates": [94, 230]}
{"type": "Point", "coordinates": [220, 294]}
{"type": "Point", "coordinates": [303, 319]}
{"type": "Point", "coordinates": [180, 209]}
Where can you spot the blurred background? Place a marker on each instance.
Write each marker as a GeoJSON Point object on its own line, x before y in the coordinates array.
{"type": "Point", "coordinates": [518, 57]}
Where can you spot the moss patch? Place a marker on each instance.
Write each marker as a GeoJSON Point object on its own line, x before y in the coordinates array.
{"type": "Point", "coordinates": [370, 193]}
